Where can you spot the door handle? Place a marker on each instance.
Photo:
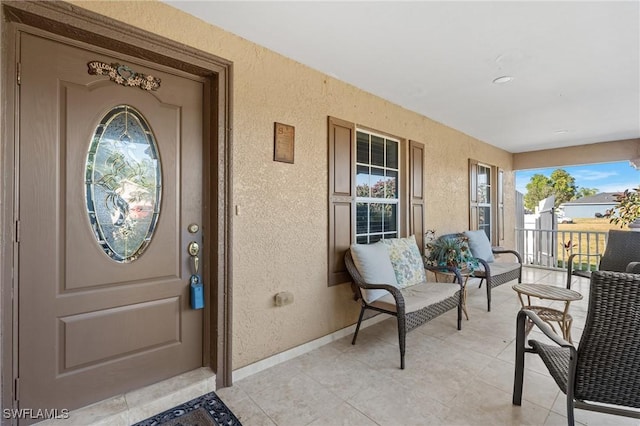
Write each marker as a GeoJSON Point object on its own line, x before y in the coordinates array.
{"type": "Point", "coordinates": [194, 250]}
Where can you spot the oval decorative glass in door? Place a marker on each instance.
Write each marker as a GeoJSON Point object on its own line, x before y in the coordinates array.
{"type": "Point", "coordinates": [123, 184]}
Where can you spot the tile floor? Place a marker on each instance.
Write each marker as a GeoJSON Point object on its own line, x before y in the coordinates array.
{"type": "Point", "coordinates": [451, 377]}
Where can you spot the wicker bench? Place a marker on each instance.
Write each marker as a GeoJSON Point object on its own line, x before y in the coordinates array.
{"type": "Point", "coordinates": [413, 306]}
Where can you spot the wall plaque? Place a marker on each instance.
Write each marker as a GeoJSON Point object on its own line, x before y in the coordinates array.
{"type": "Point", "coordinates": [283, 142]}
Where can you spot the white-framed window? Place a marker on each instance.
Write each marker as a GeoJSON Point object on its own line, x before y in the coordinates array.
{"type": "Point", "coordinates": [377, 187]}
{"type": "Point", "coordinates": [485, 200]}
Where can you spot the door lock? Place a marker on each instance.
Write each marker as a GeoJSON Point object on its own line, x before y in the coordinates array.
{"type": "Point", "coordinates": [194, 250]}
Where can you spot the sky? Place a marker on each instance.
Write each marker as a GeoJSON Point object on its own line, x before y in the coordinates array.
{"type": "Point", "coordinates": [605, 177]}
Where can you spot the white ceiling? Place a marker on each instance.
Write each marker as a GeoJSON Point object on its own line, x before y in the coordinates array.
{"type": "Point", "coordinates": [575, 64]}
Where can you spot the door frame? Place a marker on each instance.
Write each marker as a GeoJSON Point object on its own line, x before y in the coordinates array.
{"type": "Point", "coordinates": [62, 20]}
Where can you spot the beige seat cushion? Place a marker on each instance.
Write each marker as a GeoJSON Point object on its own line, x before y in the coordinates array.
{"type": "Point", "coordinates": [418, 296]}
{"type": "Point", "coordinates": [497, 268]}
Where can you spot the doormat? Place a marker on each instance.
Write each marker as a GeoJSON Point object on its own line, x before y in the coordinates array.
{"type": "Point", "coordinates": [206, 410]}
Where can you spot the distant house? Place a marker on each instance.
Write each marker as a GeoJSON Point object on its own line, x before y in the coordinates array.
{"type": "Point", "coordinates": [588, 207]}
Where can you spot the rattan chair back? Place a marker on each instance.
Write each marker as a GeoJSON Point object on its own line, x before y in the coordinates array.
{"type": "Point", "coordinates": [358, 281]}
{"type": "Point", "coordinates": [623, 247]}
{"type": "Point", "coordinates": [608, 365]}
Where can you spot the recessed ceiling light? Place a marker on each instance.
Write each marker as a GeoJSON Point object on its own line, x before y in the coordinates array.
{"type": "Point", "coordinates": [502, 80]}
{"type": "Point", "coordinates": [560, 131]}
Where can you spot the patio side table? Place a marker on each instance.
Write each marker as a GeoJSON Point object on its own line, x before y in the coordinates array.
{"type": "Point", "coordinates": [465, 273]}
{"type": "Point", "coordinates": [549, 292]}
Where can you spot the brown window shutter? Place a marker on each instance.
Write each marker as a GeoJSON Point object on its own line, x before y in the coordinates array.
{"type": "Point", "coordinates": [341, 197]}
{"type": "Point", "coordinates": [416, 192]}
{"type": "Point", "coordinates": [473, 195]}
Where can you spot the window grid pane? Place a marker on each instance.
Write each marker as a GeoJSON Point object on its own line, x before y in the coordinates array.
{"type": "Point", "coordinates": [484, 184]}
{"type": "Point", "coordinates": [391, 184]}
{"type": "Point", "coordinates": [390, 217]}
{"type": "Point", "coordinates": [376, 188]}
{"type": "Point", "coordinates": [377, 182]}
{"type": "Point", "coordinates": [362, 218]}
{"type": "Point", "coordinates": [377, 151]}
{"type": "Point", "coordinates": [362, 148]}
{"type": "Point", "coordinates": [362, 181]}
{"type": "Point", "coordinates": [391, 154]}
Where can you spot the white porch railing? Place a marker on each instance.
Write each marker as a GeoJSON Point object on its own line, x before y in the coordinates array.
{"type": "Point", "coordinates": [551, 249]}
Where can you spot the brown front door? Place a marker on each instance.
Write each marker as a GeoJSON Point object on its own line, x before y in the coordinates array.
{"type": "Point", "coordinates": [110, 178]}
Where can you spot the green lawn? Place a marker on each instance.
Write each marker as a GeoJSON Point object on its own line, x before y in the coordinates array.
{"type": "Point", "coordinates": [593, 225]}
{"type": "Point", "coordinates": [574, 243]}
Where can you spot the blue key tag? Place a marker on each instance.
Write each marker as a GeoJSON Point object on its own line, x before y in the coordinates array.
{"type": "Point", "coordinates": [197, 292]}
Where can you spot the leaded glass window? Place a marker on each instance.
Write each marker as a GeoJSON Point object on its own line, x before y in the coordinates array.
{"type": "Point", "coordinates": [123, 184]}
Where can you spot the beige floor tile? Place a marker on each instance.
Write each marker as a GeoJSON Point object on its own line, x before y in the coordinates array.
{"type": "Point", "coordinates": [377, 353]}
{"type": "Point", "coordinates": [297, 401]}
{"type": "Point", "coordinates": [244, 408]}
{"type": "Point", "coordinates": [322, 355]}
{"type": "Point", "coordinates": [482, 404]}
{"type": "Point", "coordinates": [490, 345]}
{"type": "Point", "coordinates": [122, 419]}
{"type": "Point", "coordinates": [439, 380]}
{"type": "Point", "coordinates": [396, 404]}
{"type": "Point", "coordinates": [539, 389]}
{"type": "Point", "coordinates": [555, 419]}
{"type": "Point", "coordinates": [346, 376]}
{"type": "Point", "coordinates": [272, 377]}
{"type": "Point", "coordinates": [110, 409]}
{"type": "Point", "coordinates": [344, 415]}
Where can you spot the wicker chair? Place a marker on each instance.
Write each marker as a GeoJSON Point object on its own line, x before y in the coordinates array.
{"type": "Point", "coordinates": [407, 321]}
{"type": "Point", "coordinates": [495, 273]}
{"type": "Point", "coordinates": [623, 248]}
{"type": "Point", "coordinates": [605, 369]}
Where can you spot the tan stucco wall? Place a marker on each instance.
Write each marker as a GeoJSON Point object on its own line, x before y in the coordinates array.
{"type": "Point", "coordinates": [280, 233]}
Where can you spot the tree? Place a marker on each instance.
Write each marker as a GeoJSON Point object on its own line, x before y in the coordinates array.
{"type": "Point", "coordinates": [627, 210]}
{"type": "Point", "coordinates": [564, 186]}
{"type": "Point", "coordinates": [586, 192]}
{"type": "Point", "coordinates": [560, 183]}
{"type": "Point", "coordinates": [538, 188]}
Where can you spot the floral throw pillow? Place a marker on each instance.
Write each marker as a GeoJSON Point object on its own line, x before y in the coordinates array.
{"type": "Point", "coordinates": [406, 260]}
